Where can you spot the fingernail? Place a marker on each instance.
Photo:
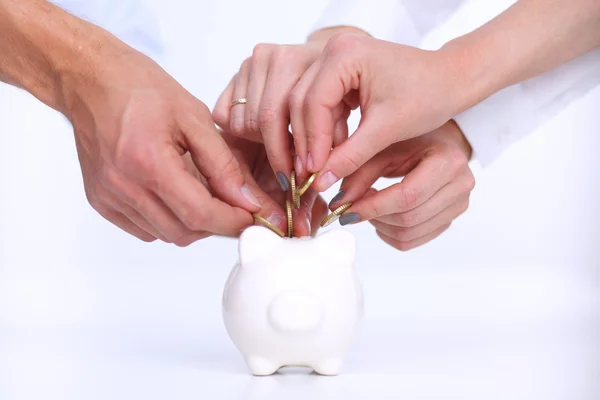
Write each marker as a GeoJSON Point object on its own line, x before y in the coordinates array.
{"type": "Point", "coordinates": [298, 166]}
{"type": "Point", "coordinates": [247, 193]}
{"type": "Point", "coordinates": [327, 180]}
{"type": "Point", "coordinates": [283, 181]}
{"type": "Point", "coordinates": [309, 163]}
{"type": "Point", "coordinates": [337, 197]}
{"type": "Point", "coordinates": [275, 219]}
{"type": "Point", "coordinates": [349, 218]}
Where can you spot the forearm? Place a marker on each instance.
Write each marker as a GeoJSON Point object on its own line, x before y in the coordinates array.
{"type": "Point", "coordinates": [41, 45]}
{"type": "Point", "coordinates": [528, 39]}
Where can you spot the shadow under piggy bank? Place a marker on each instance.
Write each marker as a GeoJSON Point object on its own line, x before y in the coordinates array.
{"type": "Point", "coordinates": [294, 302]}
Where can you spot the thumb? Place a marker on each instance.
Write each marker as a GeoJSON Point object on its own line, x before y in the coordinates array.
{"type": "Point", "coordinates": [373, 135]}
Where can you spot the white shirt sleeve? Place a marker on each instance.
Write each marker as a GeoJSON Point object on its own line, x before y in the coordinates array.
{"type": "Point", "coordinates": [132, 21]}
{"type": "Point", "coordinates": [513, 113]}
{"type": "Point", "coordinates": [505, 117]}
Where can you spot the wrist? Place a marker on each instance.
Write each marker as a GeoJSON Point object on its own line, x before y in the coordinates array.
{"type": "Point", "coordinates": [474, 69]}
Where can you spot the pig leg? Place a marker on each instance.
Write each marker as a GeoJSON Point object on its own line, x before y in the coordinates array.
{"type": "Point", "coordinates": [330, 366]}
{"type": "Point", "coordinates": [260, 366]}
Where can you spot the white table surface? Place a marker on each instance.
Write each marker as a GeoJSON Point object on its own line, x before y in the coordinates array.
{"type": "Point", "coordinates": [123, 333]}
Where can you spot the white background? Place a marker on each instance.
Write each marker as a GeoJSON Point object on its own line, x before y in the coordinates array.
{"type": "Point", "coordinates": [503, 305]}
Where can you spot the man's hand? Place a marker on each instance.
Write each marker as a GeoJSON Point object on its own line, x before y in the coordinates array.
{"type": "Point", "coordinates": [435, 190]}
{"type": "Point", "coordinates": [133, 124]}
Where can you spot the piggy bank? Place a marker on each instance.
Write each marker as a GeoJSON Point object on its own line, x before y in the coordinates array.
{"type": "Point", "coordinates": [293, 301]}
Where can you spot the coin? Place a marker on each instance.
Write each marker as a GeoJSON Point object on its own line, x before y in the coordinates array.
{"type": "Point", "coordinates": [267, 224]}
{"type": "Point", "coordinates": [307, 184]}
{"type": "Point", "coordinates": [295, 195]}
{"type": "Point", "coordinates": [288, 207]}
{"type": "Point", "coordinates": [336, 214]}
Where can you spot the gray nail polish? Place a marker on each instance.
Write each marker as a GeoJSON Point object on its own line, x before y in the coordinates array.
{"type": "Point", "coordinates": [349, 218]}
{"type": "Point", "coordinates": [337, 197]}
{"type": "Point", "coordinates": [283, 181]}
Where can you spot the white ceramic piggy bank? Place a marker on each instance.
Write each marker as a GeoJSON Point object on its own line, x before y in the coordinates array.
{"type": "Point", "coordinates": [293, 302]}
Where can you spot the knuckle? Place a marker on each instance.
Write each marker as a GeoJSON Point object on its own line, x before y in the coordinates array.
{"type": "Point", "coordinates": [402, 234]}
{"type": "Point", "coordinates": [261, 51]}
{"type": "Point", "coordinates": [469, 183]}
{"type": "Point", "coordinates": [285, 55]}
{"type": "Point", "coordinates": [457, 159]}
{"type": "Point", "coordinates": [407, 197]}
{"type": "Point", "coordinates": [246, 65]}
{"type": "Point", "coordinates": [404, 246]}
{"type": "Point", "coordinates": [409, 219]}
{"type": "Point", "coordinates": [109, 177]}
{"type": "Point", "coordinates": [342, 43]}
{"type": "Point", "coordinates": [251, 123]}
{"type": "Point", "coordinates": [266, 116]}
{"type": "Point", "coordinates": [136, 160]}
{"type": "Point", "coordinates": [237, 125]}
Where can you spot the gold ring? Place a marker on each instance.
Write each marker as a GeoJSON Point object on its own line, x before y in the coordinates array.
{"type": "Point", "coordinates": [238, 101]}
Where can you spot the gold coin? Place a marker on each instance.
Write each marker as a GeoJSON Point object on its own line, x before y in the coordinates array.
{"type": "Point", "coordinates": [336, 214]}
{"type": "Point", "coordinates": [288, 206]}
{"type": "Point", "coordinates": [295, 196]}
{"type": "Point", "coordinates": [307, 184]}
{"type": "Point", "coordinates": [267, 224]}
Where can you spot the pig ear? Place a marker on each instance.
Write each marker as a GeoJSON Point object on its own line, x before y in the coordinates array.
{"type": "Point", "coordinates": [339, 245]}
{"type": "Point", "coordinates": [257, 242]}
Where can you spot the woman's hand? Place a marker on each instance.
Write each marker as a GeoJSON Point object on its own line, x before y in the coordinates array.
{"type": "Point", "coordinates": [265, 81]}
{"type": "Point", "coordinates": [402, 92]}
{"type": "Point", "coordinates": [435, 190]}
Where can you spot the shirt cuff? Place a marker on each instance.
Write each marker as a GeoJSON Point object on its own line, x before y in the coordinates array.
{"type": "Point", "coordinates": [382, 19]}
{"type": "Point", "coordinates": [508, 116]}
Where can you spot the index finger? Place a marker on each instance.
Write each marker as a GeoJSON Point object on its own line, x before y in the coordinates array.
{"type": "Point", "coordinates": [337, 76]}
{"type": "Point", "coordinates": [417, 187]}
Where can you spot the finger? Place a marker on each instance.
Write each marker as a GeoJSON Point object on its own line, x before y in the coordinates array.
{"type": "Point", "coordinates": [340, 131]}
{"type": "Point", "coordinates": [257, 79]}
{"type": "Point", "coordinates": [417, 187]}
{"type": "Point", "coordinates": [405, 246]}
{"type": "Point", "coordinates": [369, 139]}
{"type": "Point", "coordinates": [124, 223]}
{"type": "Point", "coordinates": [403, 234]}
{"type": "Point", "coordinates": [355, 186]}
{"type": "Point", "coordinates": [338, 75]}
{"type": "Point", "coordinates": [216, 163]}
{"type": "Point", "coordinates": [440, 201]}
{"type": "Point", "coordinates": [274, 121]}
{"type": "Point", "coordinates": [296, 106]}
{"type": "Point", "coordinates": [272, 205]}
{"type": "Point", "coordinates": [222, 110]}
{"type": "Point", "coordinates": [237, 120]}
